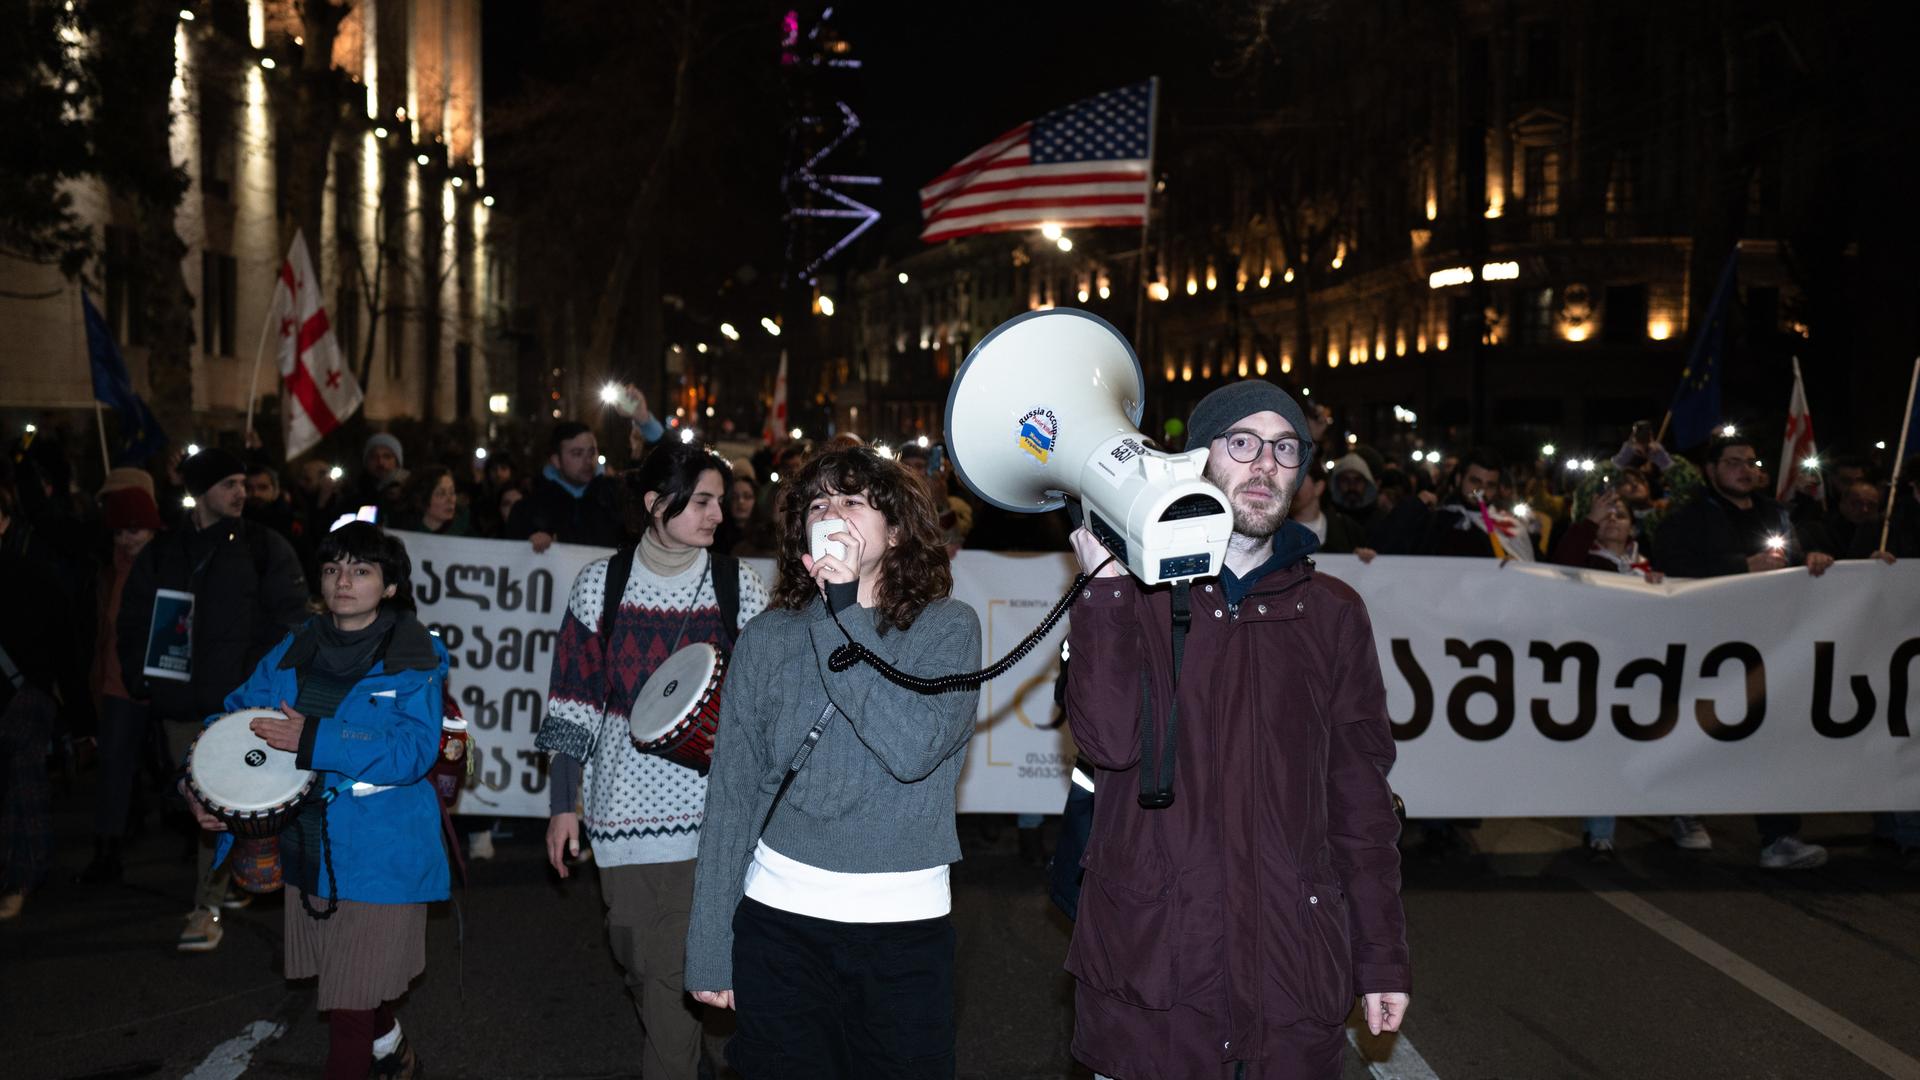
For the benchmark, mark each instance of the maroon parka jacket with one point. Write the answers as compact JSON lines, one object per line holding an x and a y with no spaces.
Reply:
{"x":1268,"y":895}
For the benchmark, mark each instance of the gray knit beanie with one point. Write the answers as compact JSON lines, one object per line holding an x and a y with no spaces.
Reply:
{"x":1220,"y":410}
{"x":388,"y":441}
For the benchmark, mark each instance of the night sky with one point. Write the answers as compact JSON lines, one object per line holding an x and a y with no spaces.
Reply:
{"x":940,"y":80}
{"x":934,"y":90}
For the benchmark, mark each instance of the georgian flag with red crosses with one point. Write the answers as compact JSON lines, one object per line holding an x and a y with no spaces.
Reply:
{"x":320,"y":391}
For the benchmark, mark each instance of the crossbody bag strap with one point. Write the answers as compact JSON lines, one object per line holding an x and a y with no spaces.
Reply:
{"x":1156,"y":770}
{"x":799,"y":758}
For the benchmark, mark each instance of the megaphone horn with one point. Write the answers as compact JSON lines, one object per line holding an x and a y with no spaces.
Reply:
{"x":1047,"y":406}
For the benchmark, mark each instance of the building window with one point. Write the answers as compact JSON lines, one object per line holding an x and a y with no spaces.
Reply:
{"x":463,"y":380}
{"x":218,"y":156}
{"x":1623,"y":177}
{"x":219,"y":275}
{"x":1543,"y":181}
{"x":346,"y":322}
{"x":1533,"y":322}
{"x":1623,"y":316}
{"x":126,"y":289}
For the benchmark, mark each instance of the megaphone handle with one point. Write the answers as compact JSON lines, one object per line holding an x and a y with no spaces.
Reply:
{"x":1075,"y":512}
{"x":853,"y":652}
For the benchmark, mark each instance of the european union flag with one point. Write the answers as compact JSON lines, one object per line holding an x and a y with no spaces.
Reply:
{"x":140,"y":434}
{"x":1696,"y":405}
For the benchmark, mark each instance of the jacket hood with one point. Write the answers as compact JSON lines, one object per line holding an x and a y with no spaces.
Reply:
{"x":1353,"y":463}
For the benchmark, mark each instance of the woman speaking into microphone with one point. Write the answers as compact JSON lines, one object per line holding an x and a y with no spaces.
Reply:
{"x":821,"y":905}
{"x":359,"y":693}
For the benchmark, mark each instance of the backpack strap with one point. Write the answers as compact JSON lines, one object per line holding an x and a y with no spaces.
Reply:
{"x":619,"y":569}
{"x":726,"y":589}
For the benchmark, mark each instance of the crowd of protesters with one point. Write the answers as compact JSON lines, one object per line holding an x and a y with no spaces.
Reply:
{"x":80,"y":570}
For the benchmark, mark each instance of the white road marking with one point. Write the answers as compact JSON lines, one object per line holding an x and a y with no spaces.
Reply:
{"x":1850,"y":1036}
{"x":231,"y":1058}
{"x":1403,"y":1062}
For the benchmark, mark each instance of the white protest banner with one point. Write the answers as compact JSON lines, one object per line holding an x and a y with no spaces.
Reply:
{"x":497,"y":606}
{"x":1528,"y":690}
{"x":1539,"y":690}
{"x":1021,"y":753}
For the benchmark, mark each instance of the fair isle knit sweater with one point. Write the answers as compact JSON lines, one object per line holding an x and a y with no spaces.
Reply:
{"x":639,"y":808}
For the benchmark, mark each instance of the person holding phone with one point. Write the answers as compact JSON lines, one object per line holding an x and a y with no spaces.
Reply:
{"x":1735,"y":527}
{"x":821,"y":910}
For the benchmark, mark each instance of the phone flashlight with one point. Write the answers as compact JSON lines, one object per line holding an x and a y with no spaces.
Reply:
{"x":1776,"y":542}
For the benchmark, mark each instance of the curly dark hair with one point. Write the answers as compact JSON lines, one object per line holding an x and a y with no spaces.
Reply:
{"x":915,"y":572}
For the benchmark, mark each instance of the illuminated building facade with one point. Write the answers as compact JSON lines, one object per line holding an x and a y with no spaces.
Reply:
{"x":409,"y":279}
{"x":1499,"y":218}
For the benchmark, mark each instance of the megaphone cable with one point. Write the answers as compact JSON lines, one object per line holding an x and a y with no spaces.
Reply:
{"x":853,"y":652}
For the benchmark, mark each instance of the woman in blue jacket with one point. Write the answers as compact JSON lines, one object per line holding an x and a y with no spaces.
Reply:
{"x":360,"y":690}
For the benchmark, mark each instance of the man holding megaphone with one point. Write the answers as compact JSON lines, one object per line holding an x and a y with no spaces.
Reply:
{"x":1242,"y":879}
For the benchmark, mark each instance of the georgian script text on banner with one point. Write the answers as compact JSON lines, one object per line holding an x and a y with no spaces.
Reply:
{"x":1517,"y":691}
{"x":1523,"y":691}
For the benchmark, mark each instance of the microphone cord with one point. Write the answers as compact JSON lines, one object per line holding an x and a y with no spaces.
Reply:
{"x":846,"y":656}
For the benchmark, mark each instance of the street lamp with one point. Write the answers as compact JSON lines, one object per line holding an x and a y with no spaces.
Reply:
{"x":727,"y":331}
{"x":769,"y":326}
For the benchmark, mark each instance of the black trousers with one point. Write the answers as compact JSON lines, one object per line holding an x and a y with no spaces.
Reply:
{"x":816,"y":998}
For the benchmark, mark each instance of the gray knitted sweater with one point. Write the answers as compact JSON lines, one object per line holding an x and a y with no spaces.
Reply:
{"x":877,"y":795}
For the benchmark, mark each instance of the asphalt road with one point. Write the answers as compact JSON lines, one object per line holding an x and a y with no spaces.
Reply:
{"x":1528,"y":963}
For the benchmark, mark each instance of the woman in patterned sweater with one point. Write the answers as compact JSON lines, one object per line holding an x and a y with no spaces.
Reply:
{"x":642,"y":813}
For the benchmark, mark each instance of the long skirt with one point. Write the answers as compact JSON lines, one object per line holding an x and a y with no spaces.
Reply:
{"x":365,"y":954}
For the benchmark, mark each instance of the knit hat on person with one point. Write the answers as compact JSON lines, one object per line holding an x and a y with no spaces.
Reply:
{"x":388,"y":441}
{"x":128,"y":477}
{"x":1234,"y":402}
{"x":209,"y":467}
{"x":131,"y":508}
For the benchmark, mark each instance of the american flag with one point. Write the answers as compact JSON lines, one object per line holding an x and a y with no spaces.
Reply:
{"x":1088,"y":163}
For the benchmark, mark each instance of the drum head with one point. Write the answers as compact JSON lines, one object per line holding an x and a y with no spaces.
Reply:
{"x":672,"y":691}
{"x":238,"y":770}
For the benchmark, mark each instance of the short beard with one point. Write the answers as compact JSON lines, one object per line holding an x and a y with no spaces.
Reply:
{"x":1255,"y":526}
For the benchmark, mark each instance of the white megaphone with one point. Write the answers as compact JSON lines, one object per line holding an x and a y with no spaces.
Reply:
{"x":1048,"y":405}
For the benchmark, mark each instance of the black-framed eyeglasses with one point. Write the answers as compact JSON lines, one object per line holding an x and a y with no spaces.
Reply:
{"x":1244,"y":447}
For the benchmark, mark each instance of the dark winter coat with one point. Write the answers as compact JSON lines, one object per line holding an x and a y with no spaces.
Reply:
{"x":1268,"y":894}
{"x":248,"y":592}
{"x":1711,"y":537}
{"x":1344,"y":534}
{"x":592,"y":519}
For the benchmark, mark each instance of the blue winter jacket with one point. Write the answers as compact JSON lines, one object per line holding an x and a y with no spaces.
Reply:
{"x":384,"y":829}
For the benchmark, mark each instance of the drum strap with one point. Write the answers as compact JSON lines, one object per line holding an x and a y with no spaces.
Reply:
{"x":799,"y":758}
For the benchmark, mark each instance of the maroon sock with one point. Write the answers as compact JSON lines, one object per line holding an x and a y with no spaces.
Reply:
{"x":350,"y":1035}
